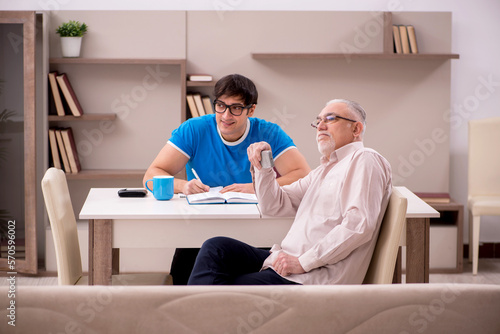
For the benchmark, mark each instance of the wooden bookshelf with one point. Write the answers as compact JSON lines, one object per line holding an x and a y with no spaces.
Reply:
{"x":107,"y":174}
{"x":387,"y":50}
{"x":110,"y":174}
{"x":200,"y":83}
{"x":117,"y":61}
{"x":84,"y":117}
{"x":390,"y":56}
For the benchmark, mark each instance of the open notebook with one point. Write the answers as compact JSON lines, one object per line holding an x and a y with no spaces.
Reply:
{"x":215,"y":197}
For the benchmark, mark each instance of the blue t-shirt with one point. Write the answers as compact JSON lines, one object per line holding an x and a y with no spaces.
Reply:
{"x":218,"y":162}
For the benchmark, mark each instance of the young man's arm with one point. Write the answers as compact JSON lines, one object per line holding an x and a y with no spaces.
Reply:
{"x":170,"y":162}
{"x":291,"y":165}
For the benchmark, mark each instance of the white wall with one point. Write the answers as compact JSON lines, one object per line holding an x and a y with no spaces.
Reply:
{"x":475,"y":87}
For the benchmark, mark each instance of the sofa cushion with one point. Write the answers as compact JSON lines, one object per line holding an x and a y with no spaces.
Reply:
{"x":404,"y":308}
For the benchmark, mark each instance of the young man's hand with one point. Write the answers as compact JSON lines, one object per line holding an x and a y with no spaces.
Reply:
{"x":194,"y":187}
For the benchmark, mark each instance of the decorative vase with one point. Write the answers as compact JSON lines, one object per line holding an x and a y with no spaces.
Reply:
{"x":70,"y":46}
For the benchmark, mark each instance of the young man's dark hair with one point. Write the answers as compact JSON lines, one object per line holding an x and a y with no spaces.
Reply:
{"x":238,"y":86}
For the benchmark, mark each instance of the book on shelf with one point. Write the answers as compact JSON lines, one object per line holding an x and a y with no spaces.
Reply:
{"x":17,"y":254}
{"x":412,"y":39}
{"x":199,"y":104}
{"x":199,"y":77}
{"x":214,"y":196}
{"x":63,"y":148}
{"x":207,"y":103}
{"x":56,"y":94}
{"x":405,"y":43}
{"x":18,"y":243}
{"x":54,"y":149}
{"x":434,"y":197}
{"x":17,"y":248}
{"x":62,"y":151}
{"x":69,"y":95}
{"x":397,"y":39}
{"x":192,"y":105}
{"x":70,"y":146}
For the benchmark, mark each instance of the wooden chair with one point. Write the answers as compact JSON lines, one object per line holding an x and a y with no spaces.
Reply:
{"x":483,"y":179}
{"x":381,"y":269}
{"x":64,"y":231}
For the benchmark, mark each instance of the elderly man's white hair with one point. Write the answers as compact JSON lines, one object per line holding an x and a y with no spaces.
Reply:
{"x":356,"y":110}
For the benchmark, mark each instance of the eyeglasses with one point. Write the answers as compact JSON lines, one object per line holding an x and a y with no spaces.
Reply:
{"x":329,"y":119}
{"x":235,"y":109}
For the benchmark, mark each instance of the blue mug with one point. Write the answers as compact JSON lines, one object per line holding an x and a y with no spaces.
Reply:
{"x":163,"y":187}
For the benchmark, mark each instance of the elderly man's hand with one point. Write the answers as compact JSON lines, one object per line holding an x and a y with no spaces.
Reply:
{"x":253,"y":152}
{"x":286,"y":264}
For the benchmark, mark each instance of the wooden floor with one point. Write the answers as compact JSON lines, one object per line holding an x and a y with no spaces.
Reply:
{"x":488,"y":273}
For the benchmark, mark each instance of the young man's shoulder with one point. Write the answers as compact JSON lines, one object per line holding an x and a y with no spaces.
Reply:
{"x":199,"y":124}
{"x":201,"y":120}
{"x":261,"y":122}
{"x":265,"y":128}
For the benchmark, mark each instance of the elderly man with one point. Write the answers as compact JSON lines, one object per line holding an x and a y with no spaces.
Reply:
{"x":338,"y":209}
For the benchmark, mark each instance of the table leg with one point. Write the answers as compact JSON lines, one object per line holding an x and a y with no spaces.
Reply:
{"x":417,"y":250}
{"x":115,"y":269}
{"x":396,"y":279}
{"x":91,"y":252}
{"x":100,"y":252}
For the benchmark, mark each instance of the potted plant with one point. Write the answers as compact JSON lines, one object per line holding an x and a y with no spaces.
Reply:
{"x":71,"y":33}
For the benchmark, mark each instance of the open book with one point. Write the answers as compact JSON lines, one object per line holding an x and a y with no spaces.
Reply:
{"x":215,"y":197}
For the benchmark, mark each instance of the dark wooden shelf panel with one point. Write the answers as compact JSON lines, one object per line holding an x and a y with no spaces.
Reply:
{"x":429,"y":56}
{"x":84,"y":117}
{"x":107,"y":174}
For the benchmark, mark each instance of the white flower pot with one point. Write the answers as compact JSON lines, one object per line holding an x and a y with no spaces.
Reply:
{"x":70,"y":46}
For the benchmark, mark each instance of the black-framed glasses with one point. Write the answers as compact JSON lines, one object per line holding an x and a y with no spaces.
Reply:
{"x":329,"y":119}
{"x":235,"y":109}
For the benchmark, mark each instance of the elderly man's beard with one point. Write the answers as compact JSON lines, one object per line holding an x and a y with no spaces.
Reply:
{"x":325,"y":147}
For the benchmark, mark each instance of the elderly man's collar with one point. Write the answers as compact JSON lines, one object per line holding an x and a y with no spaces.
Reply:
{"x":342,"y":152}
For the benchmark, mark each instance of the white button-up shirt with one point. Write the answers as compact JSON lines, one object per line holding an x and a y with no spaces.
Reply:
{"x":338,"y":209}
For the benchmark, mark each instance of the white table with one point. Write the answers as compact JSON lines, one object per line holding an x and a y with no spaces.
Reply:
{"x":116,"y":222}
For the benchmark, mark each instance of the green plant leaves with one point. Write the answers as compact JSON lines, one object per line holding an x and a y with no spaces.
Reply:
{"x":72,"y":29}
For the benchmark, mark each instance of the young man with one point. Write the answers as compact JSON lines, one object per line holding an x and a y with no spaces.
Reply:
{"x":338,"y":209}
{"x":215,"y":146}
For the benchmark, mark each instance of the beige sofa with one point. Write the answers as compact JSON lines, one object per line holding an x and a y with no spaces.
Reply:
{"x":406,"y":308}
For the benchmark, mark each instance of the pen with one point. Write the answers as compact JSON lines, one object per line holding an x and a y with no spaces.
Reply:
{"x":196,"y":175}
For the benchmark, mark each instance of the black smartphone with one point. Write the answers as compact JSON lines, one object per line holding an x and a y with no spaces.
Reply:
{"x":136,"y":192}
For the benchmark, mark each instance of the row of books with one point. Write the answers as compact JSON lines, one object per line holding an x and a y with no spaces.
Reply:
{"x":405,"y":39}
{"x":63,"y":96}
{"x":63,"y":151}
{"x":20,"y":249}
{"x":199,"y":105}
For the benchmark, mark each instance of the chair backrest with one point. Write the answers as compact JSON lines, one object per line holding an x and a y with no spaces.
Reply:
{"x":63,"y":224}
{"x":383,"y":262}
{"x":484,"y":160}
